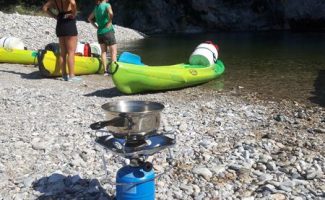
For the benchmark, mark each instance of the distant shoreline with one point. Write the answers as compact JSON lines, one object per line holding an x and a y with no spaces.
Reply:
{"x":37,"y":31}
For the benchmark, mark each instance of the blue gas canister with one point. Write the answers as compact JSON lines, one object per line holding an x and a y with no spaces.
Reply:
{"x":135,"y":183}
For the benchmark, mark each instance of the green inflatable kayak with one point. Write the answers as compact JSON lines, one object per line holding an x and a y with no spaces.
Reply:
{"x":136,"y":78}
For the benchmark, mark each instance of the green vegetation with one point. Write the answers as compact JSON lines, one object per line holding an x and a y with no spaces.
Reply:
{"x":33,"y":7}
{"x":32,"y":10}
{"x":20,"y":5}
{"x":28,"y":7}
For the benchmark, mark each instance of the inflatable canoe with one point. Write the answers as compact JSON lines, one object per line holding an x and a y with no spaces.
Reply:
{"x":136,"y":78}
{"x":48,"y":64}
{"x":16,"y":56}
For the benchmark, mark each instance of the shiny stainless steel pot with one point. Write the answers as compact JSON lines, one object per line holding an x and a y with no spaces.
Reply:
{"x":130,"y":118}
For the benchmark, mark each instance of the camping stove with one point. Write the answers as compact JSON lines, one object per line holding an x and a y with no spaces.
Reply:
{"x":133,"y":134}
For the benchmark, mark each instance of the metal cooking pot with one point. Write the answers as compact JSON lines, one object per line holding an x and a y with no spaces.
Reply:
{"x":130,"y":118}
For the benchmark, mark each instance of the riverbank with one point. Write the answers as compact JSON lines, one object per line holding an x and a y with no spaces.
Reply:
{"x":229,"y":144}
{"x":37,"y":31}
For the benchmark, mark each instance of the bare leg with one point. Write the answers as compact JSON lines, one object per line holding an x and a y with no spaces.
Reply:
{"x":103,"y":55}
{"x":113,"y":51}
{"x":63,"y":56}
{"x":71,"y":45}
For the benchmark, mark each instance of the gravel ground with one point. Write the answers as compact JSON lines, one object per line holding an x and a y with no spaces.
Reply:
{"x":229,"y":145}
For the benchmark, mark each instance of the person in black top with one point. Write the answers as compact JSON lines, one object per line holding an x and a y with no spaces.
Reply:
{"x":66,"y":31}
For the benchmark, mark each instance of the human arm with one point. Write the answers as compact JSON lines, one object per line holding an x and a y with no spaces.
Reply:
{"x":110,"y":13}
{"x":47,"y":10}
{"x":73,"y":5}
{"x":91,"y":20}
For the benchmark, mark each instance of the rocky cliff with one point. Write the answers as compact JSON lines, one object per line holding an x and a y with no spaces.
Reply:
{"x":154,"y":16}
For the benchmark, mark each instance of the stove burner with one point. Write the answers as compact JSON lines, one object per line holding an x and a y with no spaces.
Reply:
{"x":135,"y":143}
{"x":136,"y":148}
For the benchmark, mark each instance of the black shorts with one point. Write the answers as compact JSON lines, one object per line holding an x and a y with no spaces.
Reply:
{"x":66,"y":27}
{"x":107,"y":38}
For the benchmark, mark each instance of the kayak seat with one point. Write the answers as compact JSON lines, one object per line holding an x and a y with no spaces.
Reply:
{"x":131,"y":58}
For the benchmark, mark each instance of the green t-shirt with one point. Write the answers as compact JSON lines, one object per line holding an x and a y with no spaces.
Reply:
{"x":102,"y":18}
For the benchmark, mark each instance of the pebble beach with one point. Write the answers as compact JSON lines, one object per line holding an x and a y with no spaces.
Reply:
{"x":229,"y":145}
{"x":38,"y":31}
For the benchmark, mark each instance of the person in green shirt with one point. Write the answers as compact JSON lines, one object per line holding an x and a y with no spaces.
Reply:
{"x":101,"y":18}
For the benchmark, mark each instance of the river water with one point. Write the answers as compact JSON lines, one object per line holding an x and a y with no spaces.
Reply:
{"x":274,"y":65}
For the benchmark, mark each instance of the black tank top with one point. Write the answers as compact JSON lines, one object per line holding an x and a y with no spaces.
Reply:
{"x":62,"y":13}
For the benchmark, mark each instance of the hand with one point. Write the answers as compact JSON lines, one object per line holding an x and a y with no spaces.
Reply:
{"x":108,"y":25}
{"x":68,"y":16}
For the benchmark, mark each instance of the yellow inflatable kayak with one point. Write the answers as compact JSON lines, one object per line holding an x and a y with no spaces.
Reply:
{"x":17,"y":56}
{"x":48,"y":64}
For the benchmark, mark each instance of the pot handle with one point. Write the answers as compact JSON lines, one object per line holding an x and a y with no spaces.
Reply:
{"x":99,"y":125}
{"x":116,"y":122}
